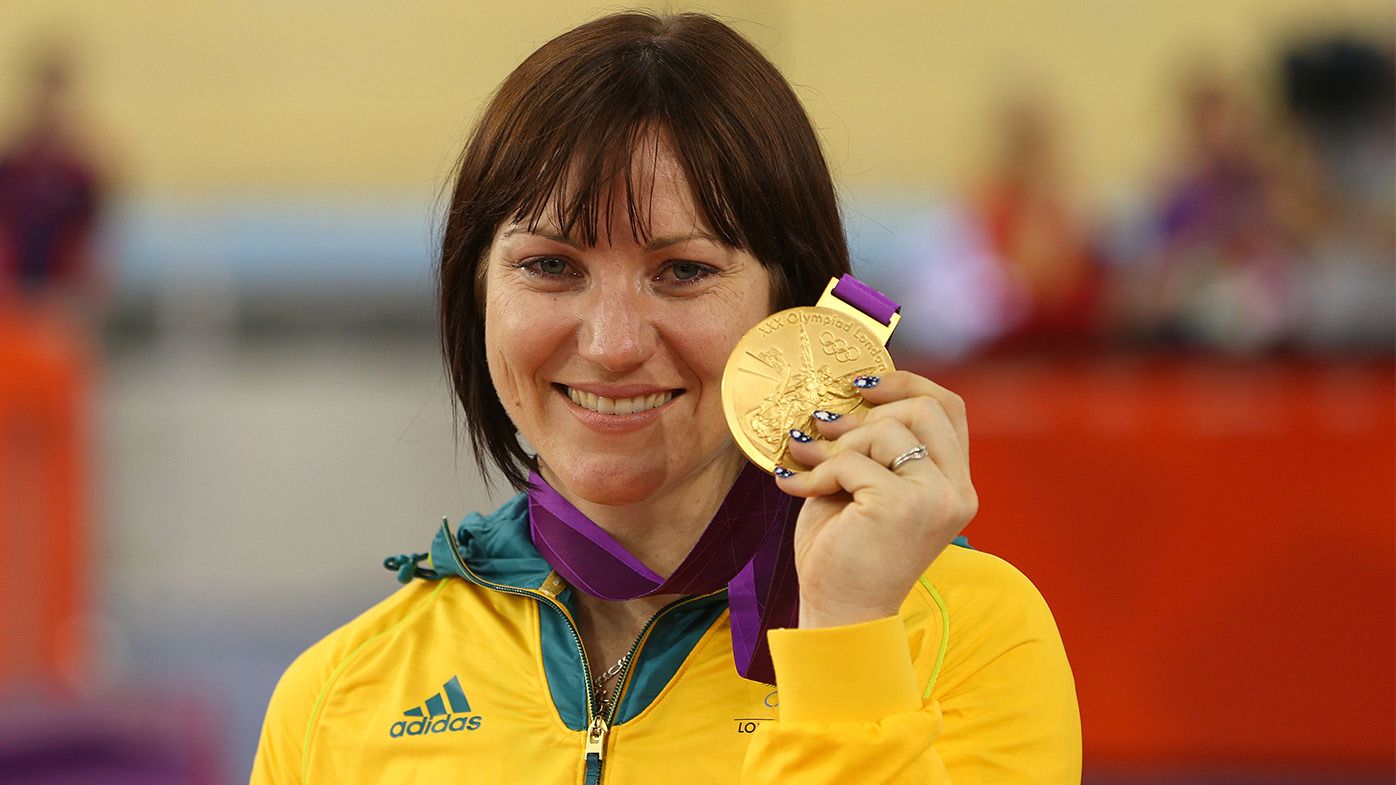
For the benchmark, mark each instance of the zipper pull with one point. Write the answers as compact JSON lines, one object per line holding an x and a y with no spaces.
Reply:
{"x":553,"y":585}
{"x":596,"y":737}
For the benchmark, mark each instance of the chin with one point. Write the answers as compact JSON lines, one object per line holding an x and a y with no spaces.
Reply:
{"x":609,"y":480}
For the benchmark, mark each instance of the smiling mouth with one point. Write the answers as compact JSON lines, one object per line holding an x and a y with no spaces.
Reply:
{"x":618,"y":406}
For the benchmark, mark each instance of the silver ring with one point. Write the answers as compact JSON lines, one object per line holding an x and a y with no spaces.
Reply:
{"x":914,"y":454}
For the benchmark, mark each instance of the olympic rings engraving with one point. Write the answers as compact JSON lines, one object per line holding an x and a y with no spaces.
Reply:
{"x":837,"y":348}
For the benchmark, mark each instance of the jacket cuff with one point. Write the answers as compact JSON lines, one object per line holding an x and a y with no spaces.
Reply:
{"x":857,"y":673}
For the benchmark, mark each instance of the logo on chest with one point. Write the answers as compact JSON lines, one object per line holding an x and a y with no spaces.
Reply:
{"x":750,"y":724}
{"x":434,"y":716}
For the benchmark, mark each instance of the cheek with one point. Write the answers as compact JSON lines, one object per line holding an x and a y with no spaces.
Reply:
{"x":707,"y":340}
{"x":756,"y":304}
{"x":498,"y":362}
{"x":515,"y":347}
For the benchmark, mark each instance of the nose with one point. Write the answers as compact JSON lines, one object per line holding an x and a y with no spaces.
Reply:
{"x":618,"y":331}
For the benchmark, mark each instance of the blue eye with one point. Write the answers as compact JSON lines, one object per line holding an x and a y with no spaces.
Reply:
{"x":684,"y":273}
{"x":551,"y":265}
{"x":554,"y":273}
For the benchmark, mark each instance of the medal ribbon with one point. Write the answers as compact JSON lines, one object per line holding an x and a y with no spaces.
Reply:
{"x":866,"y":299}
{"x":747,"y":547}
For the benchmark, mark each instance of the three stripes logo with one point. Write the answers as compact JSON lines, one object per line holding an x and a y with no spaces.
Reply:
{"x":437,"y":718}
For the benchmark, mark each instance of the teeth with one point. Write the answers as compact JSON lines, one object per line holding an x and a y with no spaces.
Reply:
{"x":604,"y":405}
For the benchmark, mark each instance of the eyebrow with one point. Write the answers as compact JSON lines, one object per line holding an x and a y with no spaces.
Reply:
{"x":653,"y":245}
{"x":664,"y":242}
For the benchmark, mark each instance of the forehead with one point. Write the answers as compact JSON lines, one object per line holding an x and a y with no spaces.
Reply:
{"x":640,"y":187}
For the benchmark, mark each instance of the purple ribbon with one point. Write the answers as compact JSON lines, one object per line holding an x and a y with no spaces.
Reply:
{"x":748,"y":547}
{"x":865,"y":298}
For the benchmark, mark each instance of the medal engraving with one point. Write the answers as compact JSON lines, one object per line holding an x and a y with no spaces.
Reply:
{"x":789,"y":365}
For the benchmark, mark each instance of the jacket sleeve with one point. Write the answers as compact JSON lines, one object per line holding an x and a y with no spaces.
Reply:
{"x":279,"y":750}
{"x":853,"y":709}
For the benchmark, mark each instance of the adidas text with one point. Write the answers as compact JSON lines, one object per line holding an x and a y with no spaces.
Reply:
{"x":447,"y":724}
{"x":435,"y":717}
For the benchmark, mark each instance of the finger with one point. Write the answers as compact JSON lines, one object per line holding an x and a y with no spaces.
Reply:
{"x":899,"y":385}
{"x":931,"y":425}
{"x":832,"y":425}
{"x":847,"y":472}
{"x":890,"y":430}
{"x":882,"y":439}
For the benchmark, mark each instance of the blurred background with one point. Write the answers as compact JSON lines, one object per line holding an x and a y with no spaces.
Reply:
{"x":1152,"y":243}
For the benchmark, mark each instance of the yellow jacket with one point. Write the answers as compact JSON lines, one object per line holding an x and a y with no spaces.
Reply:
{"x":479,"y":677}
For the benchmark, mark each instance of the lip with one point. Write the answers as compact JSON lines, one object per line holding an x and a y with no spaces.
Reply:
{"x":620,"y":390}
{"x":616,"y":423}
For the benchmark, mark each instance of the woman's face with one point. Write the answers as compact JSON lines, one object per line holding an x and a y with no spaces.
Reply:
{"x":609,"y":358}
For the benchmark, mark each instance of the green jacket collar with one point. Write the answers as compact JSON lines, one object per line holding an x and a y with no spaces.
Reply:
{"x":495,"y":549}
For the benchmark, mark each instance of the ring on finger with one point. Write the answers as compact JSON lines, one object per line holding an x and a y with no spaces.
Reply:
{"x":914,"y":454}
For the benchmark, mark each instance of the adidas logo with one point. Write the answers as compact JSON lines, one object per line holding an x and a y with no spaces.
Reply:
{"x":436,"y":718}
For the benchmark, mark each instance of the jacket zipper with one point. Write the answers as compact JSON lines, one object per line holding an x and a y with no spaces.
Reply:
{"x":595,"y":749}
{"x":600,"y":726}
{"x":597,"y":726}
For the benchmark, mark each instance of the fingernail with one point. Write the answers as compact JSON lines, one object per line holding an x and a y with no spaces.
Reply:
{"x":782,"y":472}
{"x":800,"y":436}
{"x":823,"y":416}
{"x":866,"y":382}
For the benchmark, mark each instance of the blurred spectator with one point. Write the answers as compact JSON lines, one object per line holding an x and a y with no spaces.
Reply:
{"x":1279,"y":230}
{"x":57,"y":724}
{"x":1334,"y":192}
{"x":1219,"y":276}
{"x":48,"y":209}
{"x":49,"y":193}
{"x":1034,"y":234}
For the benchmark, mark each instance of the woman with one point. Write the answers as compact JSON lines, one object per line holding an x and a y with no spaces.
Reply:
{"x":638,"y":194}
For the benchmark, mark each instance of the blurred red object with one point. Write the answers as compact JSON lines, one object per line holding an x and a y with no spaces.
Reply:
{"x":1053,"y":278}
{"x":43,"y":498}
{"x":1217,"y":542}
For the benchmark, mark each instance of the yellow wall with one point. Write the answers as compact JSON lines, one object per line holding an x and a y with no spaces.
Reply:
{"x":252,"y":95}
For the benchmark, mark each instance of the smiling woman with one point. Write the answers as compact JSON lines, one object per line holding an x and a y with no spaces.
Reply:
{"x":640,"y":193}
{"x":628,"y":122}
{"x":576,"y":333}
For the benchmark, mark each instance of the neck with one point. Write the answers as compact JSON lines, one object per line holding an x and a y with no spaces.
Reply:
{"x":662,"y":528}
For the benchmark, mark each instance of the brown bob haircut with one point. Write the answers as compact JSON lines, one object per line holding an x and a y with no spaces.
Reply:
{"x":564,"y":128}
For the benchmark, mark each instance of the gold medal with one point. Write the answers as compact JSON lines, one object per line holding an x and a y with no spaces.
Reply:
{"x":794,"y":362}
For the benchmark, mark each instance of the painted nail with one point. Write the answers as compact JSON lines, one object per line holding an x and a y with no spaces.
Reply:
{"x":866,"y":382}
{"x":800,"y":436}
{"x":823,"y":416}
{"x":782,"y":472}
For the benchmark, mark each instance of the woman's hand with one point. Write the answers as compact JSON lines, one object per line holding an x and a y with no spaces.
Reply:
{"x":867,"y":533}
